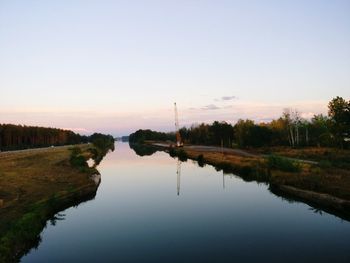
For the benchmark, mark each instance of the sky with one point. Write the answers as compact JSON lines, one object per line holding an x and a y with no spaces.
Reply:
{"x":117,"y":66}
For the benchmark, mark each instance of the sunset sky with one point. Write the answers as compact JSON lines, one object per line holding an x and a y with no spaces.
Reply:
{"x":116,"y":66}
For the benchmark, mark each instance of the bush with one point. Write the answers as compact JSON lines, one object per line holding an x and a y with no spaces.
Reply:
{"x":200,"y":160}
{"x":75,"y":150}
{"x":283,"y":164}
{"x":94,"y":152}
{"x":76,"y":159}
{"x":324,"y":164}
{"x":172,"y":152}
{"x":246,"y":170}
{"x":182,"y":155}
{"x":225,"y":166}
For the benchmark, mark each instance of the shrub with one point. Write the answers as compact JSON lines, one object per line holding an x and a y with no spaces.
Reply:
{"x":200,"y":160}
{"x":77,"y":161}
{"x":246,"y":170}
{"x":94,"y":152}
{"x":172,"y":152}
{"x":325,"y":164}
{"x":225,"y":166}
{"x":182,"y":155}
{"x":75,"y":150}
{"x":283,"y":164}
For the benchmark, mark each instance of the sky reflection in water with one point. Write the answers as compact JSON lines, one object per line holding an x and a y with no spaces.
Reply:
{"x":137,"y":216}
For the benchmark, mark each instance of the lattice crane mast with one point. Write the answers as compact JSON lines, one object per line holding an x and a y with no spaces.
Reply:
{"x":177,"y":128}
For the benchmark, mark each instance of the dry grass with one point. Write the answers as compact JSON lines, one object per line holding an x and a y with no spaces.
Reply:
{"x":217,"y":157}
{"x":335,"y":182}
{"x":332,"y":180}
{"x":34,"y":185}
{"x":331,"y":175}
{"x":338,"y":157}
{"x":29,"y":177}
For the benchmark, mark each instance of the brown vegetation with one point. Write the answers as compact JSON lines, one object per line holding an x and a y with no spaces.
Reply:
{"x":321,"y":182}
{"x":33,"y":184}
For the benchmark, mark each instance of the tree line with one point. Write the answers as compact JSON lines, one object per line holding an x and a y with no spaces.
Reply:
{"x":332,"y":130}
{"x":140,"y":136}
{"x":15,"y":137}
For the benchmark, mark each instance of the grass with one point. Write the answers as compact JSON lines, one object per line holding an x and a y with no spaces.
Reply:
{"x":336,"y":158}
{"x":283,"y":164}
{"x":325,"y":182}
{"x":278,"y":169}
{"x":249,"y":168}
{"x":33,"y":185}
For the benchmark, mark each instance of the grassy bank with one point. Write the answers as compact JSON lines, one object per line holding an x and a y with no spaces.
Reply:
{"x":324,"y":183}
{"x":34,"y":186}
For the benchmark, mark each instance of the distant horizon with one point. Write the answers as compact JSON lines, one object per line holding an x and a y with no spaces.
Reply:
{"x":201,"y":118}
{"x":115,"y":66}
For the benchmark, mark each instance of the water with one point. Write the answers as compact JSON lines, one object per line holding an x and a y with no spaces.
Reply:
{"x":138,"y":216}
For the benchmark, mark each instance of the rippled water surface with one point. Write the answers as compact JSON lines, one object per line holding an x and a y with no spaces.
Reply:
{"x":154,"y":209}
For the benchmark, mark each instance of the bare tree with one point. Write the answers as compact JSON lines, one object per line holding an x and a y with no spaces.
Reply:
{"x":289,"y":126}
{"x":293,"y":121}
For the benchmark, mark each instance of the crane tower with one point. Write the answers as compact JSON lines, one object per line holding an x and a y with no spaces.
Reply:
{"x":177,"y":132}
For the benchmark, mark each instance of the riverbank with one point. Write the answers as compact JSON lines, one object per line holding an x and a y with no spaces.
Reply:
{"x":323,"y":185}
{"x":34,"y":186}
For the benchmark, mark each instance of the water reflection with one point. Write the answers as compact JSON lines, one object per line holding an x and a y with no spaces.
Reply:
{"x":223,"y":180}
{"x":316,"y":208}
{"x":143,"y":150}
{"x":138,"y":217}
{"x":248,"y":174}
{"x":57,"y":217}
{"x":178,"y":176}
{"x":32,"y":244}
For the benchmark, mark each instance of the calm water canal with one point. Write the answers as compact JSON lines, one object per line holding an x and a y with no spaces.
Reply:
{"x":145,"y":212}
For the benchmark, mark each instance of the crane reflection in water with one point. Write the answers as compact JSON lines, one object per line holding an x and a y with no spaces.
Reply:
{"x":178,"y":176}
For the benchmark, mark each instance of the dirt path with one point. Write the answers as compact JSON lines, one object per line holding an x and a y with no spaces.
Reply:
{"x":32,"y":150}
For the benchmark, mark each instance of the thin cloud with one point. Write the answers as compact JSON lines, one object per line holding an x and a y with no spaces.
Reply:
{"x":226,"y":98}
{"x":210,"y":107}
{"x":227,"y":107}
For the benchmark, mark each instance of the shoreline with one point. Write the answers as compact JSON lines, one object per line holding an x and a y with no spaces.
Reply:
{"x":251,"y":167}
{"x":36,"y":185}
{"x":46,"y":212}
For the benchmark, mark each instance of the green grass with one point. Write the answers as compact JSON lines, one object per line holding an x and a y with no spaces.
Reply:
{"x":283,"y":164}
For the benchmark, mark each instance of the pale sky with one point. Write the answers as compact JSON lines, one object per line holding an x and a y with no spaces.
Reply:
{"x":116,"y":66}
